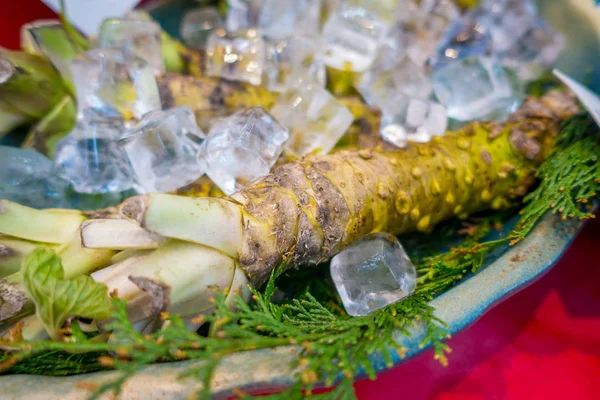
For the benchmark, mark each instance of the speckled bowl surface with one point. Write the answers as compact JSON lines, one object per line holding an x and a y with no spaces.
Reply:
{"x":460,"y":306}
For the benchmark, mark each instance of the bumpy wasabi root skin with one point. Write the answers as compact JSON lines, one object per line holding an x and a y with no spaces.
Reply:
{"x":307,"y":211}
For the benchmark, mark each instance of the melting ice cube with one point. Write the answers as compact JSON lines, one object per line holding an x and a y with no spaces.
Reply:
{"x":316,"y":119}
{"x":406,"y":77}
{"x":242,"y":148}
{"x":351,"y":37}
{"x":198,"y":24}
{"x":114,"y":83}
{"x":464,"y":38}
{"x":163,"y":150}
{"x":477,"y":88}
{"x":373,"y":273}
{"x":92,"y":160}
{"x":237,"y":56}
{"x":536,"y":51}
{"x":292,"y":60}
{"x":138,"y":36}
{"x":409,"y":119}
{"x":28,"y":178}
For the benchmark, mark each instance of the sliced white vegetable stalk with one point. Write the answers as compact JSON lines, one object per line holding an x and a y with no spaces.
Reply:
{"x":117,"y":234}
{"x":178,"y":277}
{"x":215,"y":223}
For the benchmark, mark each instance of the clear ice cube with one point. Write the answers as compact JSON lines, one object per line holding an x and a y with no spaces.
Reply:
{"x":28,"y":178}
{"x":280,"y":19}
{"x":241,"y":15}
{"x":384,"y":10}
{"x":373,"y":273}
{"x":536,"y":51}
{"x":506,"y":20}
{"x":351,"y":38}
{"x":464,"y":38}
{"x":408,"y":119}
{"x":292,"y":60}
{"x":163,"y":150}
{"x":315,"y":118}
{"x":391,"y":51}
{"x":198,"y":24}
{"x":477,"y":88}
{"x":111,"y":82}
{"x":420,"y":36}
{"x":406,"y":77}
{"x":140,"y":37}
{"x":442,"y":8}
{"x":91,"y":158}
{"x":237,"y":56}
{"x":241,"y":149}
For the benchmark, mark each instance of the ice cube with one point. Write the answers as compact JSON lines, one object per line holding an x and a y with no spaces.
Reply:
{"x":28,"y":178}
{"x":464,"y":38}
{"x":384,"y":10}
{"x":280,"y":19}
{"x":198,"y":24}
{"x":406,"y":77}
{"x":420,"y":36}
{"x":241,"y":15}
{"x":292,"y":60}
{"x":536,"y":51}
{"x":391,"y":51}
{"x":111,"y":82}
{"x":408,"y":10}
{"x":140,"y":37}
{"x":477,"y":88}
{"x":316,"y":119}
{"x":373,"y":273}
{"x":242,"y":148}
{"x":236,"y":56}
{"x":92,"y":160}
{"x":163,"y":150}
{"x":351,"y":38}
{"x":446,"y":9}
{"x":408,"y":119}
{"x":506,"y":20}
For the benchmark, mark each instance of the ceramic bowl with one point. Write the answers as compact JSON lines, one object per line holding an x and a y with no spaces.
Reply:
{"x":579,"y":20}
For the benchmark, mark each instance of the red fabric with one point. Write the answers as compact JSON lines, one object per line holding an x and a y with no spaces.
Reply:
{"x":542,"y":343}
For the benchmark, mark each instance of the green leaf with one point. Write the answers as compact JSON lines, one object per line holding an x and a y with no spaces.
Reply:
{"x":57,"y":298}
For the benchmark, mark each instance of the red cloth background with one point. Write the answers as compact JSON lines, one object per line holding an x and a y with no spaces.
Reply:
{"x":542,"y":343}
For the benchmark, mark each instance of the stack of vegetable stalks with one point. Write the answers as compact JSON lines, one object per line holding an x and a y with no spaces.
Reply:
{"x":169,"y":252}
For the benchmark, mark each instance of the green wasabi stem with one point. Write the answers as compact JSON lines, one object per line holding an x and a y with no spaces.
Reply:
{"x":10,"y":118}
{"x":12,"y":252}
{"x":76,"y":37}
{"x":47,"y":133}
{"x":46,"y":226}
{"x":50,"y":39}
{"x":29,"y":83}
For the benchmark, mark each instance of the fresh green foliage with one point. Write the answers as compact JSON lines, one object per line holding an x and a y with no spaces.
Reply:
{"x":569,"y":179}
{"x":56,"y":298}
{"x":332,"y":346}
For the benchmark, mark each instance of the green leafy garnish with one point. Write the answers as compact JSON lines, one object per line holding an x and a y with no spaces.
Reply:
{"x":57,"y":298}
